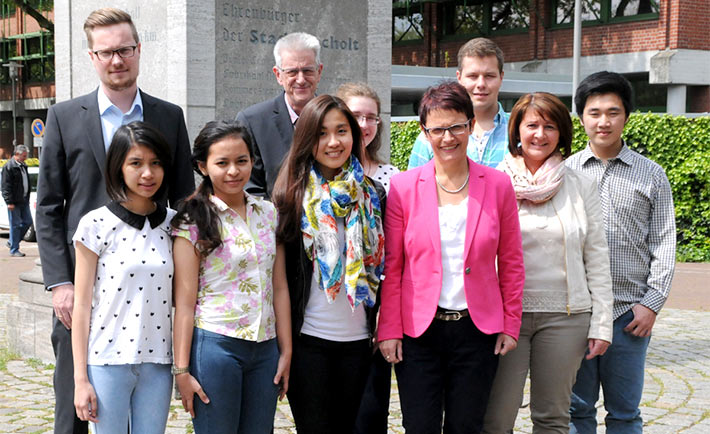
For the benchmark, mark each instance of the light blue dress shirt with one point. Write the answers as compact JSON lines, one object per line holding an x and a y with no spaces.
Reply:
{"x":112,"y":117}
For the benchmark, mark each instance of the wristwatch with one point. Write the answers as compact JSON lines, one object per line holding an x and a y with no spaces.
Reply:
{"x":177,"y":371}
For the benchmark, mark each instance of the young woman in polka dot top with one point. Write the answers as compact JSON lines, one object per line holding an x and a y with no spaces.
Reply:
{"x":123,"y":291}
{"x":232,"y":309}
{"x":362,"y":100}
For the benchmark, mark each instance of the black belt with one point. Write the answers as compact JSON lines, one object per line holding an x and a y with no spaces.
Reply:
{"x":450,"y":315}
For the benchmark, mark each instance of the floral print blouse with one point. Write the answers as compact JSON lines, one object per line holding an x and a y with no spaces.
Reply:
{"x":235,"y":291}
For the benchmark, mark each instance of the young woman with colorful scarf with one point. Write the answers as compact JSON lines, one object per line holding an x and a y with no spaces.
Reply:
{"x":330,"y":222}
{"x":567,"y":298}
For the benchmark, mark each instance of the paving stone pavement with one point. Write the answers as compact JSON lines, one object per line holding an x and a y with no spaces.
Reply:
{"x":676,"y":397}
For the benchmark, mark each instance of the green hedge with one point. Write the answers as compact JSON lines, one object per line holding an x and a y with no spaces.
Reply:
{"x":680,"y":145}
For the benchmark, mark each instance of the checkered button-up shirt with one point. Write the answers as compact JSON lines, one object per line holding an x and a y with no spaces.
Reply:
{"x":640,"y":226}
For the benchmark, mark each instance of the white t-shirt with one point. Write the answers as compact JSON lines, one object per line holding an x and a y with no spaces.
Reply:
{"x":132,"y":299}
{"x":335,"y":321}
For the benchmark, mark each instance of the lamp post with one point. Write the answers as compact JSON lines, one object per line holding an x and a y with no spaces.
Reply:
{"x":14,"y":68}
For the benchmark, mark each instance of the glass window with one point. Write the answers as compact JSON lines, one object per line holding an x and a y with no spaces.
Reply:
{"x":467,"y":20}
{"x":408,"y":27}
{"x":564,"y":12}
{"x":511,"y":14}
{"x":627,"y":8}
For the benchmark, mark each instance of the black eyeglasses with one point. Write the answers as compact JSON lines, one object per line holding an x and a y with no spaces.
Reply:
{"x":123,"y":53}
{"x":456,"y":129}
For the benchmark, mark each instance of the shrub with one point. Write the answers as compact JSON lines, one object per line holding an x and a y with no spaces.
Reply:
{"x":680,"y":145}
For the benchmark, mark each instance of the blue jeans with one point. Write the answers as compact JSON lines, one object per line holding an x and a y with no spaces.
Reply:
{"x":20,"y":220}
{"x":137,"y":393}
{"x":238,"y":377}
{"x":620,"y":373}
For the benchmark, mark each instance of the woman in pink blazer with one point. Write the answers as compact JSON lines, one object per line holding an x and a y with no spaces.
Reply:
{"x":451,"y":300}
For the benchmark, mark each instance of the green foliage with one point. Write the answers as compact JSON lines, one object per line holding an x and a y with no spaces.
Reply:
{"x":680,"y":145}
{"x":403,"y":135}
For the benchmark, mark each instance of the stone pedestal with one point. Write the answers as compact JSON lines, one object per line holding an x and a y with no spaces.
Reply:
{"x":29,"y":318}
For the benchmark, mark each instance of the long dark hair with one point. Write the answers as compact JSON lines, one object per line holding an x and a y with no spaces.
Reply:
{"x":293,"y":176}
{"x":198,"y":209}
{"x":126,"y":137}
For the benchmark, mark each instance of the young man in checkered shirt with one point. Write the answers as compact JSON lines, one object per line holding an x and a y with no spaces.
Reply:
{"x":640,"y":225}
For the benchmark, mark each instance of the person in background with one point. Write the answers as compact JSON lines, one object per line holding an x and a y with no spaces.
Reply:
{"x":297,"y":69}
{"x":330,"y":221}
{"x":480,"y":71}
{"x":452,"y":296}
{"x":567,"y":297}
{"x":16,"y":193}
{"x":639,"y":219}
{"x":362,"y":100}
{"x":232,"y":315}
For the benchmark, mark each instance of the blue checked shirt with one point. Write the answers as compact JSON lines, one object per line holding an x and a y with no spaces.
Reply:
{"x":640,"y":226}
{"x":493,"y":153}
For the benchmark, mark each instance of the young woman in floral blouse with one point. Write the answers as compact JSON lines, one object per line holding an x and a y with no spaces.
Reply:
{"x":232,"y":330}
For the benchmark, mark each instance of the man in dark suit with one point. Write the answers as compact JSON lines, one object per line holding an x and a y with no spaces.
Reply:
{"x":71,"y":180}
{"x":270,"y":123}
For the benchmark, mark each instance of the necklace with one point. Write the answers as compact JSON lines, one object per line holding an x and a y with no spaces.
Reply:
{"x":465,"y":183}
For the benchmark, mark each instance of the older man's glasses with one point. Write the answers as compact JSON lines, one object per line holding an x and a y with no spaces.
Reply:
{"x":455,"y":129}
{"x":123,"y":53}
{"x":309,"y":71}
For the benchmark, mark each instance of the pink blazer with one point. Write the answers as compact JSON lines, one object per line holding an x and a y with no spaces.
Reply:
{"x":413,"y":270}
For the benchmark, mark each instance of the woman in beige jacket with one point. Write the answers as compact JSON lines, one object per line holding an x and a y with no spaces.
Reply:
{"x":567,"y":298}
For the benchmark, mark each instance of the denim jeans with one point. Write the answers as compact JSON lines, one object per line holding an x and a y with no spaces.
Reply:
{"x":238,"y":377}
{"x":620,"y":373}
{"x":20,"y":220}
{"x":136,"y":394}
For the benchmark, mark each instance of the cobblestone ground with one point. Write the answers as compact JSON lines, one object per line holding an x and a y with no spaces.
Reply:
{"x":676,"y":396}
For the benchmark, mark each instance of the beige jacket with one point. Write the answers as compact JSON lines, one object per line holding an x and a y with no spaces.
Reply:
{"x":586,"y":253}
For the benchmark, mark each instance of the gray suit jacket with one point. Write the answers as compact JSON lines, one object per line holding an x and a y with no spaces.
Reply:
{"x":269,"y":124}
{"x":71,"y":174}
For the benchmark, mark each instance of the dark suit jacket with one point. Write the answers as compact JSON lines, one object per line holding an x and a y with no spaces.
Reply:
{"x":71,"y":179}
{"x":270,"y":126}
{"x":13,"y":187}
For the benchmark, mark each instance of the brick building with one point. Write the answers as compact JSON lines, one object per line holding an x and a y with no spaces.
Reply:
{"x":662,"y":46}
{"x":25,"y":42}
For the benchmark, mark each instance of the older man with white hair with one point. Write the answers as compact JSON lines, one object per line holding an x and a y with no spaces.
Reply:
{"x":298,"y":70}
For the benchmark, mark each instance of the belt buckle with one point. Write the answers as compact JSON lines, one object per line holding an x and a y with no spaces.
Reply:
{"x":452,"y":315}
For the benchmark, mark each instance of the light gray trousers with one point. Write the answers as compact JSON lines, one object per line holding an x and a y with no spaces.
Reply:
{"x":551,"y":346}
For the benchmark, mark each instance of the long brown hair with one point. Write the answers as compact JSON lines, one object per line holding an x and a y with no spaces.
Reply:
{"x":293,"y":176}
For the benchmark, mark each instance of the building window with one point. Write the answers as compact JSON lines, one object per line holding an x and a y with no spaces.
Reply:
{"x":407,"y":21}
{"x":466,"y":18}
{"x":38,"y":59}
{"x":605,"y":11}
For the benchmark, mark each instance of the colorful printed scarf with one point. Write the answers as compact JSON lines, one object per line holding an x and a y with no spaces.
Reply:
{"x":541,"y":186}
{"x":352,"y":196}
